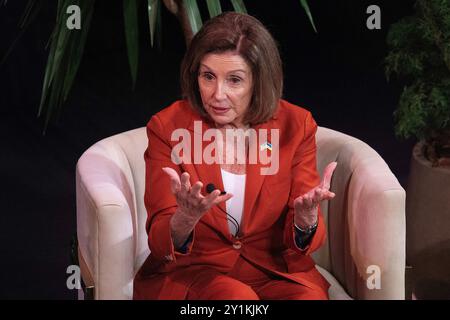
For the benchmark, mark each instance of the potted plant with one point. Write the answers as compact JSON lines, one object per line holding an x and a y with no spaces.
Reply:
{"x":419,"y":54}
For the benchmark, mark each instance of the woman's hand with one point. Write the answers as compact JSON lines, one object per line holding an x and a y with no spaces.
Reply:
{"x":191,"y":203}
{"x":306,"y":206}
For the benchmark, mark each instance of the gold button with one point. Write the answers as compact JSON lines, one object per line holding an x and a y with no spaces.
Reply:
{"x":237,"y":245}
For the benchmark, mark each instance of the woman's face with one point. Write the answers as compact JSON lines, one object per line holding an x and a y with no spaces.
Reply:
{"x":226,"y":87}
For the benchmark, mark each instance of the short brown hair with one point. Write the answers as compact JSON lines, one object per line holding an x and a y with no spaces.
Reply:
{"x":245,"y":35}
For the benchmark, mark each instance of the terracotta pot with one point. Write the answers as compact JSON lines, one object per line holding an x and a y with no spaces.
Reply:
{"x":428,"y":227}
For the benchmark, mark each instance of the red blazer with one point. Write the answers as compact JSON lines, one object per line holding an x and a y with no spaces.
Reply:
{"x":268,"y":235}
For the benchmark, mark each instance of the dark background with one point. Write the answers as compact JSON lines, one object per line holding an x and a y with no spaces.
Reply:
{"x":337,"y":74}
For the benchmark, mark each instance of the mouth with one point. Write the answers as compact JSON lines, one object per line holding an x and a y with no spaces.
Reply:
{"x":220,"y":110}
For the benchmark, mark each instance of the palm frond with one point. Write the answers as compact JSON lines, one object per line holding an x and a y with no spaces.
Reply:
{"x":66,"y":51}
{"x":214,"y":7}
{"x":305,"y":6}
{"x":32,"y":9}
{"x":132,"y":36}
{"x":193,"y":13}
{"x":153,"y":9}
{"x":239,"y":6}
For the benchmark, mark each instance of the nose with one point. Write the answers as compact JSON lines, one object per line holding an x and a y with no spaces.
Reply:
{"x":219,"y":91}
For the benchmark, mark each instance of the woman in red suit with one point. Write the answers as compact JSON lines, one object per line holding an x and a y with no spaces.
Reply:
{"x":232,"y":191}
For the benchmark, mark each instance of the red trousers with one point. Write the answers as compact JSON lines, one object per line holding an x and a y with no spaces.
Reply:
{"x":246,"y":282}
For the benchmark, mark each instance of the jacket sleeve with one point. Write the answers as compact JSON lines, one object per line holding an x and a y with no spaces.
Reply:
{"x":158,"y":198}
{"x":304,"y":178}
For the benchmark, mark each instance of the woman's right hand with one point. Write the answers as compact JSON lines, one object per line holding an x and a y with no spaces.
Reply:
{"x":191,"y":203}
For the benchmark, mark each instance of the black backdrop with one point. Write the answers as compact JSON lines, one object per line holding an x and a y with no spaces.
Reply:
{"x":337,"y":74}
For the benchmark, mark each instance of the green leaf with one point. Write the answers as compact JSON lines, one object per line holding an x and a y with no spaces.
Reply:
{"x":66,"y":51}
{"x":24,"y":19}
{"x":239,"y":6}
{"x":131,"y":35}
{"x":78,"y":45}
{"x":153,"y":8}
{"x":55,"y":95}
{"x":31,"y":11}
{"x":58,"y":46}
{"x":158,"y":30}
{"x":45,"y":85}
{"x":214,"y":8}
{"x":308,"y":13}
{"x":193,"y":13}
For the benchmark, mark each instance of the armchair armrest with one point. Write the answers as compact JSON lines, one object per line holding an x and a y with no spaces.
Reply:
{"x":105,"y":224}
{"x":376,"y":228}
{"x":366,"y":220}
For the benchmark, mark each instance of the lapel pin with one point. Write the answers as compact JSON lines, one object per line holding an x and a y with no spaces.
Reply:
{"x":265,"y":145}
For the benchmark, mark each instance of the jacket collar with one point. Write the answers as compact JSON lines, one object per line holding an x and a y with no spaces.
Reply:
{"x":211,"y":173}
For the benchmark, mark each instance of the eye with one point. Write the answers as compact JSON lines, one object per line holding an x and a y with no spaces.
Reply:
{"x":207,"y":76}
{"x":235,"y":80}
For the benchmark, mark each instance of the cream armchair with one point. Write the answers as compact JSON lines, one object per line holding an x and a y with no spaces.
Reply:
{"x":363,"y":258}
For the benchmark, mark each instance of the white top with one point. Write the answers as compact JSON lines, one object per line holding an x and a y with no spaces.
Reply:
{"x":234,"y":184}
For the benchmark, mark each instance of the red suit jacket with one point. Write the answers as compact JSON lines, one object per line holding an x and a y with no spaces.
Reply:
{"x":268,"y":235}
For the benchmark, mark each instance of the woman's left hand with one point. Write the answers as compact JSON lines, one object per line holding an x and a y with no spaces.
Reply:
{"x":306,"y":206}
